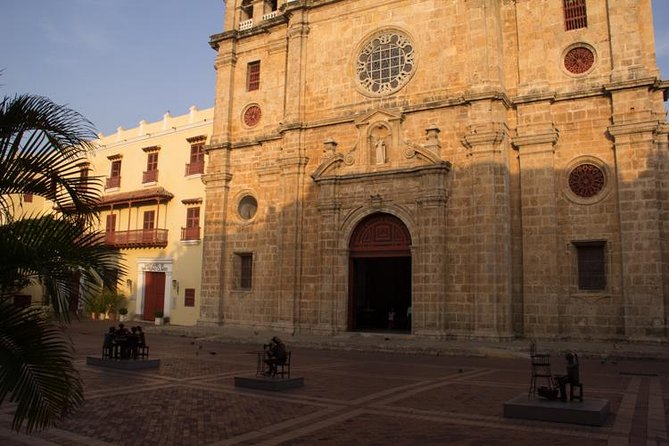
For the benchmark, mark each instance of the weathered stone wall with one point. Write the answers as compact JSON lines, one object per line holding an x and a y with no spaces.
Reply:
{"x":473,"y":154}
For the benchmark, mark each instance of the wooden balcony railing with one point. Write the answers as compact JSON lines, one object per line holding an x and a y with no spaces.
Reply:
{"x":194,"y":168}
{"x":190,"y":233}
{"x":113,"y":182}
{"x":150,"y":176}
{"x":140,"y":238}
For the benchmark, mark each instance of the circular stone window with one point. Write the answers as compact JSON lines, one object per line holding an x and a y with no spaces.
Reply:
{"x":247,"y":208}
{"x":586,"y":180}
{"x":385,"y":63}
{"x":579,"y":60}
{"x":252,"y":115}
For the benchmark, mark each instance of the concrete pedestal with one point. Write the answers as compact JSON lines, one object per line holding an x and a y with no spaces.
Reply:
{"x":268,"y":383}
{"x":591,"y":411}
{"x":123,"y":364}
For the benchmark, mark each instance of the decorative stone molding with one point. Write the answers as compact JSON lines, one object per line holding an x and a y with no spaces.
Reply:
{"x":524,"y":141}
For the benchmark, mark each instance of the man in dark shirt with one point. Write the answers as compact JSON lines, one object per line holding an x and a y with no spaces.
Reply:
{"x":275,"y":353}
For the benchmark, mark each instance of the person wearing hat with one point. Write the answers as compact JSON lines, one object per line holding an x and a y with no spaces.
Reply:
{"x":276,"y":353}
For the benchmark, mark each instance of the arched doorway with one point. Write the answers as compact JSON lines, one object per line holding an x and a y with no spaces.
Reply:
{"x":380,"y":275}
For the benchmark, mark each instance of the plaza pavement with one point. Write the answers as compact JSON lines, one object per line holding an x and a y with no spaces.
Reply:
{"x":373,"y":389}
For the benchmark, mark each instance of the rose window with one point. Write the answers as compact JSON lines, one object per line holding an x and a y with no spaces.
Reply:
{"x":252,"y":115}
{"x":586,"y":180}
{"x":385,"y":63}
{"x":579,"y":60}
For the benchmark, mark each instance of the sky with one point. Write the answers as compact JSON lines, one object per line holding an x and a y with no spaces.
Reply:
{"x":118,"y":62}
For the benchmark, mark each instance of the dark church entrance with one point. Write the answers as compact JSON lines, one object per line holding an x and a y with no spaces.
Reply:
{"x":380,"y":275}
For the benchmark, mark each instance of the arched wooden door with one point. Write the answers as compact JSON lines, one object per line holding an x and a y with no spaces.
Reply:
{"x":380,"y":275}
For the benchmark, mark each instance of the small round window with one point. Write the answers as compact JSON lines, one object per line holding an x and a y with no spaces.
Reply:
{"x":586,"y":180}
{"x":579,"y":60}
{"x":248,"y":206}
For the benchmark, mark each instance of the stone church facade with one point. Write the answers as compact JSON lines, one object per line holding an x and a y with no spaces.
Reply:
{"x":449,"y":168}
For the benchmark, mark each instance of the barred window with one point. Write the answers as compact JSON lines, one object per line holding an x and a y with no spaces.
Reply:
{"x":244,"y":270}
{"x":189,"y":297}
{"x":591,"y":265}
{"x":575,"y":14}
{"x":253,"y":76}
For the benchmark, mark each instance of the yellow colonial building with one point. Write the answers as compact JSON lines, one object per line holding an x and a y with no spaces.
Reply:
{"x":152,"y":210}
{"x":450,"y":168}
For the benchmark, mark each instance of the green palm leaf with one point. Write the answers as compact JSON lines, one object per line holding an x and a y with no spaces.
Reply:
{"x":42,"y":148}
{"x":53,"y":252}
{"x":36,"y":370}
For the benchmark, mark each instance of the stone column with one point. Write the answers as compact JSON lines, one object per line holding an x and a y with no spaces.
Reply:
{"x":538,"y":183}
{"x":214,"y":250}
{"x":491,"y":208}
{"x":298,"y":31}
{"x":638,"y":176}
{"x":290,"y":237}
{"x":428,"y":256}
{"x":328,"y":242}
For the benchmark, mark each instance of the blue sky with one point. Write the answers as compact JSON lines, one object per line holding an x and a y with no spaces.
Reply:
{"x":120,"y":61}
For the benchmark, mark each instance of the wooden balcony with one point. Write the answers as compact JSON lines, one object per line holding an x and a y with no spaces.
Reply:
{"x":113,"y":182}
{"x":150,"y":176}
{"x":195,"y":168}
{"x":190,"y":233}
{"x":140,"y":238}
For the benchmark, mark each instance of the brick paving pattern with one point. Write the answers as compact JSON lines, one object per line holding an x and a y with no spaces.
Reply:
{"x":349,"y":398}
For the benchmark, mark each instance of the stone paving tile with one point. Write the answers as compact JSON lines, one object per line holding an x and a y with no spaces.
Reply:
{"x":95,"y":380}
{"x":395,"y":369}
{"x":389,"y":399}
{"x":378,"y":430}
{"x":461,"y":398}
{"x":178,"y":416}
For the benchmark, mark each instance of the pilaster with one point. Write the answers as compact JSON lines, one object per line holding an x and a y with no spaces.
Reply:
{"x":491,"y":207}
{"x":639,"y":173}
{"x":541,"y":292}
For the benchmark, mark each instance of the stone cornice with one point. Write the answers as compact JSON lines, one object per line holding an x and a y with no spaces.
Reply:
{"x":217,"y":146}
{"x":444,"y":166}
{"x":634,"y":83}
{"x":616,"y":130}
{"x":212,"y":179}
{"x":550,"y":137}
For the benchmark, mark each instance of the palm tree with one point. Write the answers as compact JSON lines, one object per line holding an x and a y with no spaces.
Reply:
{"x":43,"y":146}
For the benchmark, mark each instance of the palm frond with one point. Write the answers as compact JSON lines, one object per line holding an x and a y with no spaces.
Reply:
{"x":61,"y":255}
{"x":36,"y":369}
{"x":42,"y":148}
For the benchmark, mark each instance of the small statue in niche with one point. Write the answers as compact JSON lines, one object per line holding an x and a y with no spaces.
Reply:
{"x":378,"y":142}
{"x":380,"y":151}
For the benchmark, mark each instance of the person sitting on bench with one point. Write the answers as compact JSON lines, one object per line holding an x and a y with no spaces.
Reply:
{"x":275,"y":354}
{"x":572,"y":377}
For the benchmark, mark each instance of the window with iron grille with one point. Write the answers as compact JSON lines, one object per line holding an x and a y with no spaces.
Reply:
{"x":591,"y":265}
{"x":575,"y":14}
{"x":189,"y":297}
{"x":244,"y":270}
{"x":253,"y":76}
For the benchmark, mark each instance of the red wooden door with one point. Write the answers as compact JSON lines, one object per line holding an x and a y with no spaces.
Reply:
{"x":154,"y":294}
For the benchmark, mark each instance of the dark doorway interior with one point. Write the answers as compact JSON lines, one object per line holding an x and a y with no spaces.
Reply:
{"x":381,"y":285}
